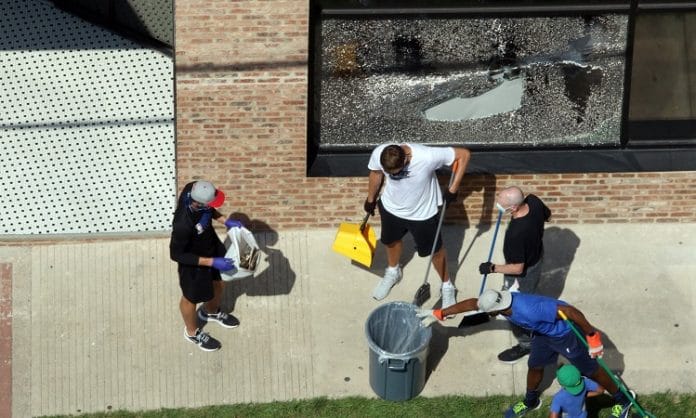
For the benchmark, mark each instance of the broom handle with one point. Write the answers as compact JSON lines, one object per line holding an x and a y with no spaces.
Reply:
{"x":490,"y":253}
{"x":618,"y":383}
{"x":439,"y":223}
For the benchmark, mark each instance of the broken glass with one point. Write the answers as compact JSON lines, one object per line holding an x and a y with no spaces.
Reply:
{"x":498,"y":82}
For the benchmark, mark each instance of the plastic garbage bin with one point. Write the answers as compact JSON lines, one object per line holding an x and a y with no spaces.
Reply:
{"x":398,"y":351}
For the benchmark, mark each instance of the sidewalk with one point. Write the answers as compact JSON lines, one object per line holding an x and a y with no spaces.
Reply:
{"x":96,"y":326}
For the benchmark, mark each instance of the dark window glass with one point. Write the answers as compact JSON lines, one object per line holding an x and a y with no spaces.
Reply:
{"x":663,"y":78}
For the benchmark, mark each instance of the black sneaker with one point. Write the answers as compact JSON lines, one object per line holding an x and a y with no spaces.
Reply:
{"x":204,"y":341}
{"x":513,"y":355}
{"x":222,"y":318}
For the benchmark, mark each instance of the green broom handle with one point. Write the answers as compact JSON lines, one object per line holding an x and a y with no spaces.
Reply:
{"x":618,"y":383}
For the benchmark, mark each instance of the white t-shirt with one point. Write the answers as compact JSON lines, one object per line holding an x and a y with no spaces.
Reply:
{"x":417,"y":196}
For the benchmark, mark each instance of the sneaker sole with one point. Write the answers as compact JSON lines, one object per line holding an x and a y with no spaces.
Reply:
{"x":541,"y":402}
{"x":200,"y":346}
{"x":511,"y":413}
{"x":390,"y":288}
{"x":216,"y":321}
{"x":223,"y":325}
{"x":383,"y":297}
{"x":512,"y":361}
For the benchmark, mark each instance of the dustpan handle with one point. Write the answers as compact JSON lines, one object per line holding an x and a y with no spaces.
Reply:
{"x":364,"y":222}
{"x":367,"y":215}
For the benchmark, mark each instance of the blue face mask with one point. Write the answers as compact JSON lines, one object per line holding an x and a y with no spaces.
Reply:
{"x":402,"y":174}
{"x":195,"y":206}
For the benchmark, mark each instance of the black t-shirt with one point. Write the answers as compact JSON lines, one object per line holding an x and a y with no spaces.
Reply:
{"x":186,"y":245}
{"x":524,"y":236}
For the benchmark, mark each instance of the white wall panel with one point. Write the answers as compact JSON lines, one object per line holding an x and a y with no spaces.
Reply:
{"x":86,"y":127}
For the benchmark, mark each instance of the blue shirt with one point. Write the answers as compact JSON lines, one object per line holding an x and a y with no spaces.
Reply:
{"x":538,"y":314}
{"x":573,"y":406}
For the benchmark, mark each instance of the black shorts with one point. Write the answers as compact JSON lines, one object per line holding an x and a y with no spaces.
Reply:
{"x":196,"y":282}
{"x":423,"y":232}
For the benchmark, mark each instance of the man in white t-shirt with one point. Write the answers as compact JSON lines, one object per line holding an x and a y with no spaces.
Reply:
{"x":409,"y":203}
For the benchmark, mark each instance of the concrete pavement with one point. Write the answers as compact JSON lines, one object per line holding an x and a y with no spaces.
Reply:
{"x":95,"y":323}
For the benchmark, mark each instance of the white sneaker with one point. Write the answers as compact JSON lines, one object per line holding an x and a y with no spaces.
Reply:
{"x":449,"y":295}
{"x":392,"y":275}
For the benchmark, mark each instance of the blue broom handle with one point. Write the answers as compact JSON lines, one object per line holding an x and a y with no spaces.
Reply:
{"x":490,"y":253}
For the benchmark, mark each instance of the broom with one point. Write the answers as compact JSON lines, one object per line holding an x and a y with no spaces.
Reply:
{"x":423,"y":292}
{"x":601,"y":362}
{"x":478,"y":317}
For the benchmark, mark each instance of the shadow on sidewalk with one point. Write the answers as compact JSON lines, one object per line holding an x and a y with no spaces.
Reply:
{"x":454,"y":236}
{"x":439,"y":343}
{"x":277,"y":278}
{"x":379,"y":259}
{"x":560,"y":246}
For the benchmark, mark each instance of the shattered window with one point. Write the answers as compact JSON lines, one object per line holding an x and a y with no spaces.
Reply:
{"x":494,"y":82}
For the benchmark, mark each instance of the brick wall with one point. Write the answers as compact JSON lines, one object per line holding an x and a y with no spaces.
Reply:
{"x":241,"y":80}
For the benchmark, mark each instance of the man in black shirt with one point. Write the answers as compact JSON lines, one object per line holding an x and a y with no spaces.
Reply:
{"x":196,"y":248}
{"x":523,"y":249}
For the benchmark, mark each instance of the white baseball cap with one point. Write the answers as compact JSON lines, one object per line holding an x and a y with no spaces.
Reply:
{"x":493,"y":300}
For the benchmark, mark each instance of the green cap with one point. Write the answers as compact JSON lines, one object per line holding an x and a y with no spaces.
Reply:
{"x":569,"y":377}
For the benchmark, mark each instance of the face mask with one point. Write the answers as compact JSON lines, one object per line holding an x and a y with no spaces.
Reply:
{"x":500,"y":207}
{"x":402,"y":174}
{"x":198,"y":207}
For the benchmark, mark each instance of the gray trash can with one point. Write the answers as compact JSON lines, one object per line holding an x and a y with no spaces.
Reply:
{"x":398,"y":351}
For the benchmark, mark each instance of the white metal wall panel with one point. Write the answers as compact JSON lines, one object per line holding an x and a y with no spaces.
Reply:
{"x":86,"y":127}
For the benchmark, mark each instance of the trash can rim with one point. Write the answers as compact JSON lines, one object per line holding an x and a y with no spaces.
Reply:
{"x":397,"y":356}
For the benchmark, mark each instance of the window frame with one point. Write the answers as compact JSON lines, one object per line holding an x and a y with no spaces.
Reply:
{"x":641,"y":148}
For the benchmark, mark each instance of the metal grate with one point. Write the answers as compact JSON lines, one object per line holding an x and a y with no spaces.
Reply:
{"x":86,"y":127}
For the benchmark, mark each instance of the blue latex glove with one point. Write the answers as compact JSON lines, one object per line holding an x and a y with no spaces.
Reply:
{"x":204,"y":222}
{"x":223,"y":264}
{"x":233,"y":223}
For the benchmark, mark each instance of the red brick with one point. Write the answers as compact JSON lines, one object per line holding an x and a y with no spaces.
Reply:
{"x":241,"y":122}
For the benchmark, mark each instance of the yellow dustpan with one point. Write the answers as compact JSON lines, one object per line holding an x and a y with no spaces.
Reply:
{"x":356,"y":242}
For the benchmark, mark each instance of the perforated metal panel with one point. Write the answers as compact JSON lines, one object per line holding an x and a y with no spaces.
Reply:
{"x":86,"y":127}
{"x":155,"y":17}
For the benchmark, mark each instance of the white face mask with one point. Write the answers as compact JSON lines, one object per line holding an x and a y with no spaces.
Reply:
{"x":500,"y":207}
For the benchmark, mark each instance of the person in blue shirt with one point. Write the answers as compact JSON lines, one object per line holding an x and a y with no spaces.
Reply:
{"x":551,"y":336}
{"x":569,"y":402}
